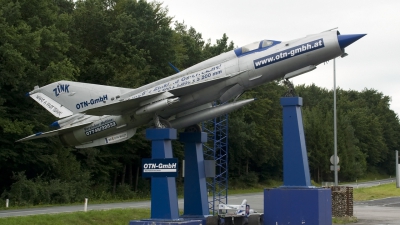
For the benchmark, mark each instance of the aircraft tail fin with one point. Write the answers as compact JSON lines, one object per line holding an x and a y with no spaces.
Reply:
{"x":65,"y":98}
{"x":242,"y":208}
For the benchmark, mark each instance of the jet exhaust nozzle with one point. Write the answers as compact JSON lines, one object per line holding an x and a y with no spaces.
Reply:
{"x":348,"y":39}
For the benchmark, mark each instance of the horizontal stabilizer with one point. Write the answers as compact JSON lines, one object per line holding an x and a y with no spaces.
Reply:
{"x":50,"y":105}
{"x":54,"y":132}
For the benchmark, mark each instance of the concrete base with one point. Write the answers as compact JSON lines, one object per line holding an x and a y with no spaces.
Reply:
{"x":166,"y":222}
{"x":297,"y":206}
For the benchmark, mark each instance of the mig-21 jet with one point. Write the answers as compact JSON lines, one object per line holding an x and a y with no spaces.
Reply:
{"x":93,"y":115}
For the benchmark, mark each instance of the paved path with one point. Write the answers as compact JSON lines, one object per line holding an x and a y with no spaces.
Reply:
{"x":379,"y":211}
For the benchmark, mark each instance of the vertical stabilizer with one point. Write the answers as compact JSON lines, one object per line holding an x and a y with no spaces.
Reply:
{"x":65,"y":98}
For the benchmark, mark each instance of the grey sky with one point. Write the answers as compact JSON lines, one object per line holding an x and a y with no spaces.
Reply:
{"x":373,"y":61}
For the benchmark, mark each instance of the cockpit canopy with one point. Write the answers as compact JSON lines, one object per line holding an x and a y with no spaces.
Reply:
{"x":255,"y":46}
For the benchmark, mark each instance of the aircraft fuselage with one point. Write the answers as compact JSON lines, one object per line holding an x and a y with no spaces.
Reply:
{"x":112,"y":114}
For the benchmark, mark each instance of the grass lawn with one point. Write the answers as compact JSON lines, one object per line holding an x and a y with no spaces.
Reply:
{"x":376,"y":192}
{"x":95,"y":217}
{"x":344,"y":220}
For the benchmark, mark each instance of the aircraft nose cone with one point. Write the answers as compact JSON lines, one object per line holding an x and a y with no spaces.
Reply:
{"x":348,"y":39}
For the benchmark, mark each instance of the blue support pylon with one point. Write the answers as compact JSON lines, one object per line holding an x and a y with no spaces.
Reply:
{"x":296,"y":170}
{"x":195,"y":189}
{"x":296,"y":202}
{"x":164,"y":200}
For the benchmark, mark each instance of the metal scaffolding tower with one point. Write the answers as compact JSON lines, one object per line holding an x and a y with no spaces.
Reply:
{"x":217,"y":149}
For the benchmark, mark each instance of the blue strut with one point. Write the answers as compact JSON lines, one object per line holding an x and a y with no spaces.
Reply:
{"x":164,"y":200}
{"x":195,"y":195}
{"x":296,"y":171}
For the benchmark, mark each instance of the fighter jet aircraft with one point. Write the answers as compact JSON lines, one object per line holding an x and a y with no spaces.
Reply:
{"x":93,"y":115}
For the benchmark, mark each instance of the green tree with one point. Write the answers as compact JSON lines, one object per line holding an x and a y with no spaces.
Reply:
{"x":33,"y":50}
{"x":255,"y":135}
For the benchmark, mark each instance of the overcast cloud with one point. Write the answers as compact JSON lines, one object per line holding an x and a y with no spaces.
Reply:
{"x":373,"y":61}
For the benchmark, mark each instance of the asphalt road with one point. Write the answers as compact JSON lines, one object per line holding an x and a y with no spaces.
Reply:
{"x":385,"y":202}
{"x":379,"y":211}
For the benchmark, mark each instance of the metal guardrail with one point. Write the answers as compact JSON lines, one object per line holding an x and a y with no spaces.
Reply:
{"x":371,"y":183}
{"x":361,"y":184}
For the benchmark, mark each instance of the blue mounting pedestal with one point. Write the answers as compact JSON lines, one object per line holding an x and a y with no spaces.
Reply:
{"x":164,"y":200}
{"x":195,"y":189}
{"x":297,"y":206}
{"x":296,"y":202}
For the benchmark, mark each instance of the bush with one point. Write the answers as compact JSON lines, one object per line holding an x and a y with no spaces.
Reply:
{"x":81,"y":187}
{"x":38,"y":191}
{"x":100,"y":192}
{"x":245,"y":181}
{"x":23,"y":191}
{"x":124,"y":192}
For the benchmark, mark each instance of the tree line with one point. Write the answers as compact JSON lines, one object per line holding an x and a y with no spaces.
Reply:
{"x":129,"y":43}
{"x":367,"y":134}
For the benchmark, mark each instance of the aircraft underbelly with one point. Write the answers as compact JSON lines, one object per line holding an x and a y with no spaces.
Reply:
{"x":107,"y":125}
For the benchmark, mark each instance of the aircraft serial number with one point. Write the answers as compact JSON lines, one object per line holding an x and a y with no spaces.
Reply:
{"x":101,"y":128}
